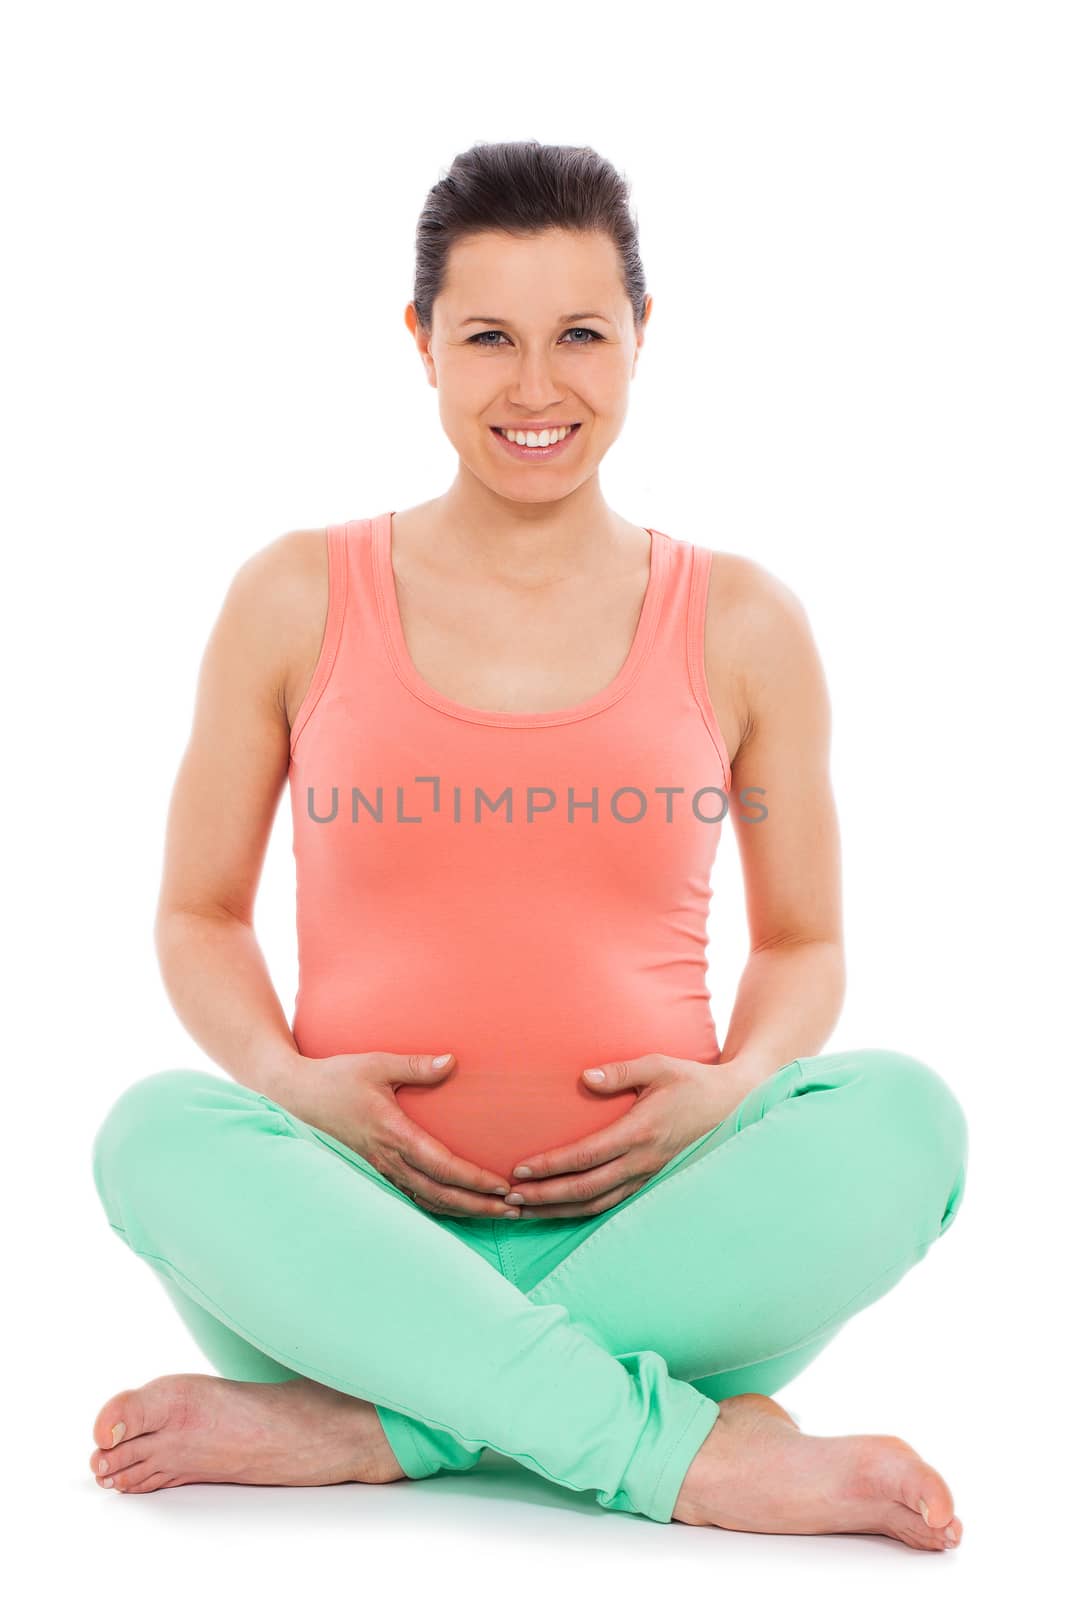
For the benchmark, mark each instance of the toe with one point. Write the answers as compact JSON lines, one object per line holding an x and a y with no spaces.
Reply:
{"x":910,"y":1528}
{"x":933,"y":1502}
{"x":132,"y":1412}
{"x":121,"y":1418}
{"x":134,"y":1476}
{"x":103,"y":1463}
{"x":148,"y":1483}
{"x":925,"y":1492}
{"x":896,"y":1473}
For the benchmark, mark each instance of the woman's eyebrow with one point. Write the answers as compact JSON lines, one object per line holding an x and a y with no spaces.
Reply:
{"x":571,"y":316}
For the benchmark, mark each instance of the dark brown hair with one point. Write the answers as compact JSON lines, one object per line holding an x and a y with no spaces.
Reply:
{"x":522,"y":187}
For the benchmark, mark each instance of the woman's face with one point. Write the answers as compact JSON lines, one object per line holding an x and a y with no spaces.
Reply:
{"x":531,"y":330}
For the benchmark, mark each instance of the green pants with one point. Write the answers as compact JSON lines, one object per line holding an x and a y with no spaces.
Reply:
{"x":592,"y":1350}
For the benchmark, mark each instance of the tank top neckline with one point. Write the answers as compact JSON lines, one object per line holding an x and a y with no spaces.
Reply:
{"x":404,"y":666}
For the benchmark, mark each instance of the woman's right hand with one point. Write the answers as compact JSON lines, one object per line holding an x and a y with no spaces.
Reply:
{"x":351,"y":1097}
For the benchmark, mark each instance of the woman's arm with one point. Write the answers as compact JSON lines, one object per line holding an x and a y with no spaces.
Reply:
{"x":222,"y":809}
{"x":792,"y":988}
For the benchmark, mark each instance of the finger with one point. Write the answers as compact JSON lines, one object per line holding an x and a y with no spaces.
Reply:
{"x":573,"y":1188}
{"x":445,"y":1211}
{"x":616,"y":1140}
{"x":429,"y":1156}
{"x":610,"y":1076}
{"x":446,"y":1198}
{"x":406,"y":1180}
{"x":602,"y":1203}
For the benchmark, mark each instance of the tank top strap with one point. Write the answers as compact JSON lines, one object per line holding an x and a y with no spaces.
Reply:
{"x":355,"y":550}
{"x":361,"y":645}
{"x":350,"y":592}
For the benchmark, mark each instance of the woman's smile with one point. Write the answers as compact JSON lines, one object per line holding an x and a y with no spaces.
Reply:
{"x":536,"y":452}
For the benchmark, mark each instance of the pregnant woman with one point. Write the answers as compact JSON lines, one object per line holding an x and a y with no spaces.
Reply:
{"x":499,"y":1186}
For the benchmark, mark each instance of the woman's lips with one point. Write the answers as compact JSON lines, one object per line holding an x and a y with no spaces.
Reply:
{"x":535,"y":453}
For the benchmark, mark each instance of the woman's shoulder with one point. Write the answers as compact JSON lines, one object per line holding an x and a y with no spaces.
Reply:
{"x":296,"y":557}
{"x":749,"y":597}
{"x":281,"y":592}
{"x":757,"y":640}
{"x":284,"y":584}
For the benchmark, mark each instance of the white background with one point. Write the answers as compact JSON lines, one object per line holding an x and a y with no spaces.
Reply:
{"x":853,"y":228}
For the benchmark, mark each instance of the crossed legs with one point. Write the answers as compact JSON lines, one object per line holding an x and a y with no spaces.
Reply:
{"x":290,"y":1258}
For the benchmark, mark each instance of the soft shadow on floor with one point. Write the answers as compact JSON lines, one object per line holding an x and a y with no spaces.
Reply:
{"x":508,"y":1525}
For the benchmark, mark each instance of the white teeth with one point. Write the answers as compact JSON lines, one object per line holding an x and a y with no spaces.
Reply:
{"x":546,"y":436}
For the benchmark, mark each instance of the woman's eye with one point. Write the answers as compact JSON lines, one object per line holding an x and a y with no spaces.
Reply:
{"x":488,"y":339}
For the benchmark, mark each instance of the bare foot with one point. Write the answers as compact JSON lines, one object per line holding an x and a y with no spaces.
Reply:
{"x":193,"y":1428}
{"x":757,"y":1473}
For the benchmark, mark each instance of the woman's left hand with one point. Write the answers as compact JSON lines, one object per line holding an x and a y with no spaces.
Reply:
{"x":677,"y":1101}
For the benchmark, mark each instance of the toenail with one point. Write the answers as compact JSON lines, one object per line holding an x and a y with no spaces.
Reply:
{"x":952,"y":1538}
{"x":117,"y":1432}
{"x":101,"y":1468}
{"x":108,"y":1483}
{"x":925,"y":1509}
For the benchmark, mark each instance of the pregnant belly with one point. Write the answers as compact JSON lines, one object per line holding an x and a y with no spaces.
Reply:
{"x":515,"y":1089}
{"x":498,"y":1121}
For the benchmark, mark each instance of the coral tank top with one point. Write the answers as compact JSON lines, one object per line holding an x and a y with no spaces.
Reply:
{"x":527,"y":890}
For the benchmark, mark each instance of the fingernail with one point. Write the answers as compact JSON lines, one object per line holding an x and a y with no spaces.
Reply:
{"x":514,"y":1199}
{"x":500,"y":1191}
{"x":513,"y":1213}
{"x":594,"y":1072}
{"x":441,"y":1061}
{"x":522,"y":1172}
{"x":117,"y":1432}
{"x":925,"y":1509}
